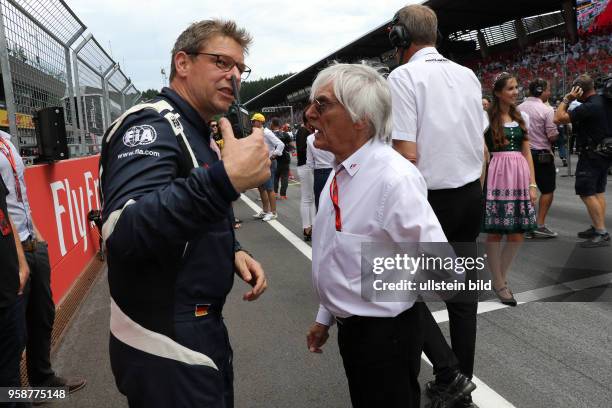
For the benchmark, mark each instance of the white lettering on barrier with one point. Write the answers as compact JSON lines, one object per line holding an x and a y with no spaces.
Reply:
{"x":76,"y":208}
{"x":59,"y":210}
{"x":80,"y":215}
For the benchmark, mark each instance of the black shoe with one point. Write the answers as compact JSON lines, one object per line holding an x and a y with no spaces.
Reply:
{"x":511,"y":301}
{"x":434,"y":388}
{"x":465,"y":402}
{"x":598,"y":240}
{"x":307,"y":235}
{"x":73,"y":384}
{"x":453,"y":393}
{"x":587,"y":233}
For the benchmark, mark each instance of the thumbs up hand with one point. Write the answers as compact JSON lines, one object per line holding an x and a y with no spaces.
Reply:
{"x":246,"y":160}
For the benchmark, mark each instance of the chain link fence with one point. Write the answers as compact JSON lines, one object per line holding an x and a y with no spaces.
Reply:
{"x":47,"y":60}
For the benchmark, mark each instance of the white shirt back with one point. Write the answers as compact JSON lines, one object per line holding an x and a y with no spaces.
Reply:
{"x":317,"y":158}
{"x":437,"y":104}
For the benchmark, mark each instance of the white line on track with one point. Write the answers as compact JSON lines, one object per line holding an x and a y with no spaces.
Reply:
{"x":483,"y":396}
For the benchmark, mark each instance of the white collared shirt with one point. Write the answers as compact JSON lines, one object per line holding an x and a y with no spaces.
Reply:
{"x":19,"y":212}
{"x":438,"y":104}
{"x":382,"y":198}
{"x":275,"y":145}
{"x":317,"y":158}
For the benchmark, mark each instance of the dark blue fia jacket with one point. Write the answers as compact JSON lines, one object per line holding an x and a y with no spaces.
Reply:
{"x":174,"y":246}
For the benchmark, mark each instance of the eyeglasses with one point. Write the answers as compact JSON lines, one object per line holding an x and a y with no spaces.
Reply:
{"x":213,"y":125}
{"x":322,"y":105}
{"x":225,"y":64}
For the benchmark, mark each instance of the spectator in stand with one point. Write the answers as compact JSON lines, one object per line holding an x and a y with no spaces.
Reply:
{"x":307,"y":207}
{"x":542,"y":133}
{"x":266,"y":190}
{"x":511,"y":189}
{"x":40,"y":309}
{"x":320,"y":162}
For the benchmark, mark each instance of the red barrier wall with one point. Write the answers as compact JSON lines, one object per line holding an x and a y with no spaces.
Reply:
{"x":61,"y":195}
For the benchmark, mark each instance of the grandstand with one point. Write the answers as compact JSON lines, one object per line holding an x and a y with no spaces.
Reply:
{"x":527,"y":38}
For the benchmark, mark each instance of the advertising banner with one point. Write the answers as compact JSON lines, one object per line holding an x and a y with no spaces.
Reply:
{"x":61,"y":195}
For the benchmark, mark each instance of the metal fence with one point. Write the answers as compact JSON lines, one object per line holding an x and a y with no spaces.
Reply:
{"x":47,"y":60}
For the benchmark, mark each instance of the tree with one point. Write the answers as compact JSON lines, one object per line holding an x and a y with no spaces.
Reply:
{"x":149,"y":94}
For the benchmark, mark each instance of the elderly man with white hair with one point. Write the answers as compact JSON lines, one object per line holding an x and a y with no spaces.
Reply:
{"x":365,"y":200}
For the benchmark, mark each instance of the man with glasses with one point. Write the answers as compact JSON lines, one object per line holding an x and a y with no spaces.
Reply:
{"x":380,"y":341}
{"x":172,"y":253}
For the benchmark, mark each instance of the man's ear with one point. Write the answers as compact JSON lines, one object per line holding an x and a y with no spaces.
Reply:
{"x":361,"y":124}
{"x":182,"y":63}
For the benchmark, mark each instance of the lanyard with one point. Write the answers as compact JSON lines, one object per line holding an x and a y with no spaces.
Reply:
{"x":5,"y":148}
{"x":333,"y":192}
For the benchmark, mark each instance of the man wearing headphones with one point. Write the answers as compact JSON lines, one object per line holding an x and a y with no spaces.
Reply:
{"x":542,"y":132}
{"x":438,"y":124}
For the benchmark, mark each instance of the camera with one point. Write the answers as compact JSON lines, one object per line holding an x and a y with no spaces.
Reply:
{"x":238,"y":115}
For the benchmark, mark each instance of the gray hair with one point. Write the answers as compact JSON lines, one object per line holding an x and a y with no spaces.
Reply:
{"x":364,"y":93}
{"x":421,"y":23}
{"x":197,"y":34}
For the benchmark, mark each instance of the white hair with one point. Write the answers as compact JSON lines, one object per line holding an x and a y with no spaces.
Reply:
{"x":364,"y":93}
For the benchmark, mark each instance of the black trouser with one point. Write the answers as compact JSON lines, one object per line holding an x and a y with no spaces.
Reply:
{"x":151,"y":381}
{"x":382,"y":358}
{"x":40,"y":314}
{"x":320,"y":178}
{"x":282,"y":175}
{"x":12,"y":340}
{"x":460,"y":212}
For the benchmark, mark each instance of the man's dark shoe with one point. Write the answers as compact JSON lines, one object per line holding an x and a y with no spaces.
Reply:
{"x":73,"y":384}
{"x":598,"y":240}
{"x":434,"y":388}
{"x":452,"y":395}
{"x":465,"y":402}
{"x":587,"y":233}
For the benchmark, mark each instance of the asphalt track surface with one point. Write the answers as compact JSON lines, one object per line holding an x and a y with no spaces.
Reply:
{"x":553,"y":350}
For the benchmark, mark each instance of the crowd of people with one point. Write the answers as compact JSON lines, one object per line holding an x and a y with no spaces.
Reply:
{"x":553,"y":60}
{"x":368,"y":159}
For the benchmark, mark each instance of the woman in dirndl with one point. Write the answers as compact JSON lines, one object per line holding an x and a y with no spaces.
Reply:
{"x":510,"y":187}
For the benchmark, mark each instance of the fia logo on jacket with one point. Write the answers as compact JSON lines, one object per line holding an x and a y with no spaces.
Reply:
{"x":139,"y":136}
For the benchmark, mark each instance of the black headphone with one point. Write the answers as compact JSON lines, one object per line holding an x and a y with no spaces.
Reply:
{"x":401,"y":38}
{"x":537,"y":87}
{"x":398,"y":33}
